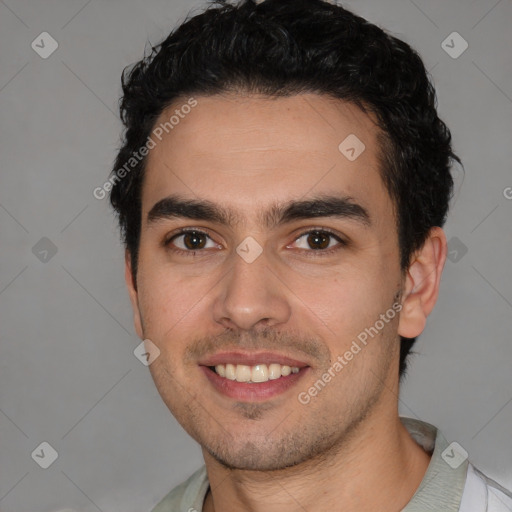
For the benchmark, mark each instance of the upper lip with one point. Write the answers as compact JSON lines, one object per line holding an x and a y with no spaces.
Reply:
{"x":250,"y":359}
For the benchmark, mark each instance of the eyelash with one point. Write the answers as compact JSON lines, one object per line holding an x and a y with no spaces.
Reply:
{"x":311,"y":252}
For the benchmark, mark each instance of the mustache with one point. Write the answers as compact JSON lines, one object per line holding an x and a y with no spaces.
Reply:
{"x":294,"y":344}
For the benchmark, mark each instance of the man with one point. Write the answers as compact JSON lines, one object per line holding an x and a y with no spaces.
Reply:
{"x":281,"y":191}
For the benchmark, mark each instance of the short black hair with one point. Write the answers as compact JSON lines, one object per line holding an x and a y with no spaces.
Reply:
{"x":279,"y":48}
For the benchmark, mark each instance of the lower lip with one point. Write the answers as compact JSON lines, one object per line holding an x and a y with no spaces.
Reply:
{"x":255,"y":392}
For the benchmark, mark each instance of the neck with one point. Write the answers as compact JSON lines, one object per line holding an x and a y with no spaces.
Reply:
{"x":379,"y":468}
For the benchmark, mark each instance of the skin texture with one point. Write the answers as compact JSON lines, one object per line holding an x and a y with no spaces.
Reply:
{"x":347,"y":444}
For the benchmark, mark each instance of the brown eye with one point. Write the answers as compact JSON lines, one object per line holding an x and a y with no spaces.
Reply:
{"x":318,"y":240}
{"x":194,"y":240}
{"x":189,"y":240}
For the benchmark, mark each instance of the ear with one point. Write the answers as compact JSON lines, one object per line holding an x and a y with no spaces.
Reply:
{"x":132,"y":291}
{"x":422,"y":284}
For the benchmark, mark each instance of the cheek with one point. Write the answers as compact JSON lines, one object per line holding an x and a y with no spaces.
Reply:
{"x":168,"y":302}
{"x":346,"y":303}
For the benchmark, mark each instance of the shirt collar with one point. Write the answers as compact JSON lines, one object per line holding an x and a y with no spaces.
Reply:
{"x":443,"y":483}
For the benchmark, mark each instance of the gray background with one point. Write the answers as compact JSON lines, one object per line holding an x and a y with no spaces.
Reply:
{"x":68,"y":375}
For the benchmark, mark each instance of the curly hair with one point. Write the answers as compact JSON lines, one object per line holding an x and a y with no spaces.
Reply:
{"x":281,"y":48}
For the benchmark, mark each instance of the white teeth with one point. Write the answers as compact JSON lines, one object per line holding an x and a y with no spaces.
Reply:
{"x":230,"y":371}
{"x":243,"y":373}
{"x":256,"y":373}
{"x":274,"y":371}
{"x":259,"y":373}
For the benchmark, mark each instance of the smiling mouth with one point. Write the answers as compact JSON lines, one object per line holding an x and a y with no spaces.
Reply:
{"x":253,"y":374}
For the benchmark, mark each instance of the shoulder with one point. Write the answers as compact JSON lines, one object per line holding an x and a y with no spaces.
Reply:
{"x":188,"y":496}
{"x":482,"y":494}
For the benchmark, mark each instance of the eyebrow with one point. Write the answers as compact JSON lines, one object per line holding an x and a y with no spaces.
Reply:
{"x":175,"y":206}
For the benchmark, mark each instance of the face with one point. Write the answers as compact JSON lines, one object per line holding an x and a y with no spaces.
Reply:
{"x":263,"y":288}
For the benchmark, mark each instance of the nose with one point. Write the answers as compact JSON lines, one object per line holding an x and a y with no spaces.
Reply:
{"x":251,"y":296}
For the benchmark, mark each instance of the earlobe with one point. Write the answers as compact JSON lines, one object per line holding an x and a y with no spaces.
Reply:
{"x":422,"y":283}
{"x":132,"y":291}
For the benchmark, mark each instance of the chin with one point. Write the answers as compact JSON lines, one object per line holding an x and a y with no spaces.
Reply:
{"x":252,"y":458}
{"x":264,"y":453}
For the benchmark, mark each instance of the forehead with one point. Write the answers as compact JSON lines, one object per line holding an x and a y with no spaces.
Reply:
{"x":248,"y":150}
